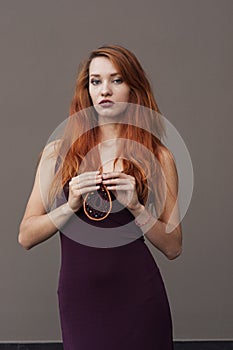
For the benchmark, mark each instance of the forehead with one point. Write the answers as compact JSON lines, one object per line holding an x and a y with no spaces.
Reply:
{"x":102,"y":65}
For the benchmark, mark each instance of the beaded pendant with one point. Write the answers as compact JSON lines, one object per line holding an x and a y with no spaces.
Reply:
{"x":98,"y":204}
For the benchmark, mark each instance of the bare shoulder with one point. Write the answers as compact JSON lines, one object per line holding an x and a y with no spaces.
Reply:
{"x":169,"y":169}
{"x":168,"y":162}
{"x":166,"y":156}
{"x":49,"y":150}
{"x":171,"y":213}
{"x":37,"y":202}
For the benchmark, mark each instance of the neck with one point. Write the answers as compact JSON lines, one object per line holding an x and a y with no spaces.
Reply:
{"x":109,"y":131}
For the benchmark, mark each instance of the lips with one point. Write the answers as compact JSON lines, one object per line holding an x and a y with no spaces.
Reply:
{"x":106,"y":103}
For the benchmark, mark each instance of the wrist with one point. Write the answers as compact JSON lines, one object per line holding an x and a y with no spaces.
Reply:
{"x":67,"y":210}
{"x":145,"y":220}
{"x":137,"y":210}
{"x":142,"y":221}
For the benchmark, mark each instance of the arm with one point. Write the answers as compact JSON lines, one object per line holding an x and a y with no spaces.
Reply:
{"x":165,"y":233}
{"x":37,"y":225}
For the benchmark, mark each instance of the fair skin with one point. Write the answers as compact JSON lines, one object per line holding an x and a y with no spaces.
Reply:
{"x":105,"y":82}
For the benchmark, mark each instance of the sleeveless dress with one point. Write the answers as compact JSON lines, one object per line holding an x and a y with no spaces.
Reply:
{"x":110,"y":297}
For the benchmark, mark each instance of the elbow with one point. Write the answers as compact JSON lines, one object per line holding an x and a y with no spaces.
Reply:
{"x":173,"y":254}
{"x":24,"y":242}
{"x":174,"y":249}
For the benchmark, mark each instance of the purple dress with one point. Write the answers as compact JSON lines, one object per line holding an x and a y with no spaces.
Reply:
{"x":110,"y":298}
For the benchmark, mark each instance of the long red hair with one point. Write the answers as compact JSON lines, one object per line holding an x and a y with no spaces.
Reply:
{"x":81,"y":131}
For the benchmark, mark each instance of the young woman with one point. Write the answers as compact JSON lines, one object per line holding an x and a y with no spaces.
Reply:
{"x":111,"y":293}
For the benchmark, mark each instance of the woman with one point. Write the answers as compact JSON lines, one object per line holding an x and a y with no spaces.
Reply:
{"x":111,"y":295}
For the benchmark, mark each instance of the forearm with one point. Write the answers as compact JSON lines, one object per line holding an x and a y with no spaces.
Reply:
{"x":37,"y":229}
{"x":155,"y":230}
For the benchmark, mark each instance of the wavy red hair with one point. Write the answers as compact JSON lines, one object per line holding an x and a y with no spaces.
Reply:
{"x":81,"y":133}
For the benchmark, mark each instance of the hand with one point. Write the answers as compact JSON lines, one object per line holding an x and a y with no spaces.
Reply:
{"x":123,"y":187}
{"x":81,"y":184}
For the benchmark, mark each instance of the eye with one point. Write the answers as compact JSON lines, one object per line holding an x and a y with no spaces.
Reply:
{"x":95,"y":81}
{"x":118,"y":80}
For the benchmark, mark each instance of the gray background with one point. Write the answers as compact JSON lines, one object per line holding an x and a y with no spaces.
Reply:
{"x":186,"y":48}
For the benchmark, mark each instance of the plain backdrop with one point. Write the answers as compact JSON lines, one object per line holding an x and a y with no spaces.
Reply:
{"x":185,"y":46}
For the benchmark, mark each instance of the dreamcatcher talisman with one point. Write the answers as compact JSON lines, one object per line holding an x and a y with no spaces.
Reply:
{"x":98,"y":204}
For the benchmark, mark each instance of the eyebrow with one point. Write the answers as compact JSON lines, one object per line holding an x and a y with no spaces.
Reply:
{"x":112,"y":75}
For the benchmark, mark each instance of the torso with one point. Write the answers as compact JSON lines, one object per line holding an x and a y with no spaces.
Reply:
{"x":108,"y":166}
{"x":107,"y":155}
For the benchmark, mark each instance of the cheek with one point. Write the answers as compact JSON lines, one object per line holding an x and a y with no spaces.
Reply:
{"x":91,"y":93}
{"x":126,"y":94}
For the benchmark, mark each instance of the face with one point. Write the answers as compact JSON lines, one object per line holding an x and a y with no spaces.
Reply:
{"x":108,"y":91}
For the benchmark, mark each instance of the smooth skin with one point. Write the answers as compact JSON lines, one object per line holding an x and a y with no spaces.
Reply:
{"x":37,"y":225}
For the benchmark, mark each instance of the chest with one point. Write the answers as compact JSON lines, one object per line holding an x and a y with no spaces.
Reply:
{"x":107,"y":157}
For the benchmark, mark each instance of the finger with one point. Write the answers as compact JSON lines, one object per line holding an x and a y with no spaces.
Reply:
{"x":88,"y":175}
{"x":119,"y":187}
{"x":79,"y":178}
{"x":85,"y":183}
{"x":86,"y":190}
{"x":115,"y":174}
{"x":116,"y":181}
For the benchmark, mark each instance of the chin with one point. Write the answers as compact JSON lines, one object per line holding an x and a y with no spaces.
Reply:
{"x":116,"y":111}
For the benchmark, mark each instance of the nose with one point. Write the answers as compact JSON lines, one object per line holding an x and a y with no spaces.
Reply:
{"x":106,"y":89}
